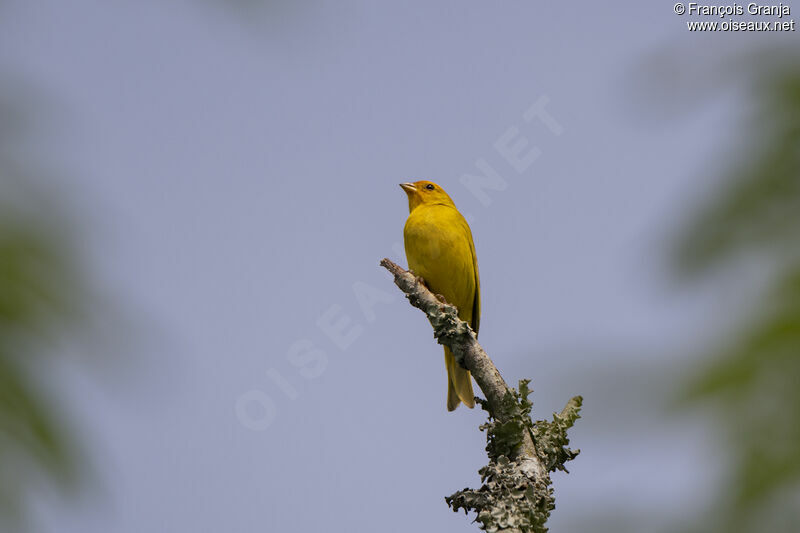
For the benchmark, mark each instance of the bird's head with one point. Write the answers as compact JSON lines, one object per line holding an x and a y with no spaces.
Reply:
{"x":425,"y":193}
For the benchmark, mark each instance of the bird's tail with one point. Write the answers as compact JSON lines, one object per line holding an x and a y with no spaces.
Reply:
{"x":459,"y":383}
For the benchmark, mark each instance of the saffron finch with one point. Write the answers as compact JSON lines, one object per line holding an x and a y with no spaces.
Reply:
{"x":440,"y":250}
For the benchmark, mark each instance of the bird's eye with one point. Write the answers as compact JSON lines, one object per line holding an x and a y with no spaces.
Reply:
{"x":429,"y":187}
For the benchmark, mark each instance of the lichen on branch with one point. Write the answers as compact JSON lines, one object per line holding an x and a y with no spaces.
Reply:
{"x":510,"y":499}
{"x":516,"y":495}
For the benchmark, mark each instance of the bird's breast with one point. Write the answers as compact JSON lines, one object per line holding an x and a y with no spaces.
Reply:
{"x":438,"y":249}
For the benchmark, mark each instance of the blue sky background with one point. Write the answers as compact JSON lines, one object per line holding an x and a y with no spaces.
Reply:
{"x":234,"y":173}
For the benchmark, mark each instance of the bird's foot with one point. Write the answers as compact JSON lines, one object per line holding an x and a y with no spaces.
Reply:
{"x":421,"y":281}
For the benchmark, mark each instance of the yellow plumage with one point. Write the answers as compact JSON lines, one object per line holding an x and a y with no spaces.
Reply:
{"x":440,"y":250}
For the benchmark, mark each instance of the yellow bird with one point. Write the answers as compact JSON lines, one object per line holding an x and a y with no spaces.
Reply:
{"x":440,"y":250}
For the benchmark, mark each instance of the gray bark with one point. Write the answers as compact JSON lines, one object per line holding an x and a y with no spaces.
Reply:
{"x":453,"y":332}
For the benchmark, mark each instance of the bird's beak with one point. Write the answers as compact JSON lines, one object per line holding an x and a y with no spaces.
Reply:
{"x":408,"y":187}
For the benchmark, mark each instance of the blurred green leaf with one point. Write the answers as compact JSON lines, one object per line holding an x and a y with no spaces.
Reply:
{"x":42,"y":299}
{"x":752,"y":383}
{"x":38,"y":299}
{"x":758,"y":210}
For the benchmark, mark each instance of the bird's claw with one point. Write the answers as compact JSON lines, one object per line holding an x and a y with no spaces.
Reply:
{"x":419,"y":280}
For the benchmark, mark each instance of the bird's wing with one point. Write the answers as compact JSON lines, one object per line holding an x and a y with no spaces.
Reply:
{"x":476,"y":302}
